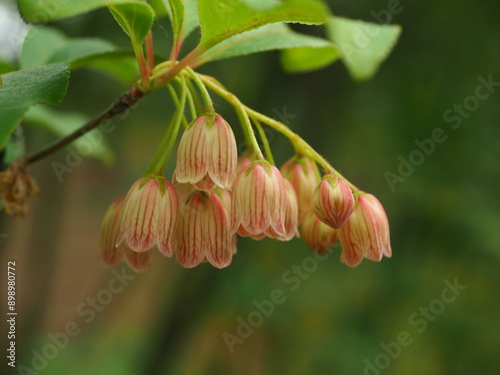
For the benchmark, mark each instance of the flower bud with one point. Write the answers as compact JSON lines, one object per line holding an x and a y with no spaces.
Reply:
{"x":317,"y":235}
{"x":259,"y":201}
{"x":366,"y":232}
{"x":207,"y":154}
{"x":204,"y":232}
{"x":149,"y":216}
{"x":333,"y":201}
{"x":302,"y":174}
{"x":111,"y":254}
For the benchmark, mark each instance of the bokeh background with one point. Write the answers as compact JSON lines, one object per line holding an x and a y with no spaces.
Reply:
{"x":444,"y":216}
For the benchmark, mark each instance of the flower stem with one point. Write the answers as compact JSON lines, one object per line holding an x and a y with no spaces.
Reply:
{"x":296,"y":140}
{"x":174,"y":126}
{"x":176,"y":101}
{"x":265,"y":142}
{"x":150,"y":51}
{"x":209,"y":105}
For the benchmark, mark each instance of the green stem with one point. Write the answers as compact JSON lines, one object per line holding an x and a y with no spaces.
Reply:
{"x":193,"y":94}
{"x":296,"y":140}
{"x":143,"y":67}
{"x":192,"y":106}
{"x":176,"y":101}
{"x":175,"y":125}
{"x":163,"y":79}
{"x":265,"y":142}
{"x":209,"y":105}
{"x":150,"y":51}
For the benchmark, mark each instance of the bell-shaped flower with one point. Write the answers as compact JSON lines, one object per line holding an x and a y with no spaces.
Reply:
{"x":291,"y":216}
{"x":207,"y":154}
{"x":138,"y":261}
{"x":149,"y":216}
{"x":366,"y":232}
{"x":317,"y":235}
{"x":301,"y":172}
{"x":204,"y":231}
{"x":259,"y":201}
{"x":111,"y":254}
{"x":333,"y":201}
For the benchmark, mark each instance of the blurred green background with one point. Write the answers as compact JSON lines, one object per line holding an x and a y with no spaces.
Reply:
{"x":444,"y":216}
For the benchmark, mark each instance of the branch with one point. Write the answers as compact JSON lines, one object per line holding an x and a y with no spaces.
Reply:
{"x":127,"y":100}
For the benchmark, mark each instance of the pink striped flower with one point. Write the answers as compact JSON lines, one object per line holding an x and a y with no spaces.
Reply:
{"x":243,"y":162}
{"x":207,"y":154}
{"x":291,"y":216}
{"x":259,"y":201}
{"x":301,"y":172}
{"x":204,"y":232}
{"x":138,"y":261}
{"x":149,"y":217}
{"x":366,"y":232}
{"x":317,"y":235}
{"x":111,"y":254}
{"x":333,"y":201}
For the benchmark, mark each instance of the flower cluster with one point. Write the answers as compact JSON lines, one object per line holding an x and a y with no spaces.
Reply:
{"x":215,"y":196}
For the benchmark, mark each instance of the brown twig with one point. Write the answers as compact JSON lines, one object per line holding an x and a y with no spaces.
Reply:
{"x":123,"y":103}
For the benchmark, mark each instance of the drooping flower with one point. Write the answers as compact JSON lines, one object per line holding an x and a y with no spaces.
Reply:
{"x":317,"y":235}
{"x":207,"y":154}
{"x":225,"y":197}
{"x":333,"y":201}
{"x":204,"y":231}
{"x":291,"y":216}
{"x":138,"y":261}
{"x":111,"y":254}
{"x":302,"y":174}
{"x":366,"y":232}
{"x":259,"y":201}
{"x":149,"y":217}
{"x":243,"y":162}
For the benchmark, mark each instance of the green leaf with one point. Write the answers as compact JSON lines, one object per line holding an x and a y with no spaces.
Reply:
{"x":190,"y":10}
{"x":82,"y":50}
{"x":160,"y":7}
{"x":191,"y":17}
{"x":42,"y":11}
{"x":39,"y":45}
{"x":364,"y":45}
{"x":64,"y":123}
{"x":5,"y":67}
{"x":44,"y":45}
{"x":269,"y":37}
{"x":222,"y":19}
{"x":306,"y":59}
{"x":177,"y":17}
{"x":124,"y":69}
{"x":21,"y":89}
{"x":15,"y":147}
{"x":135,"y":19}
